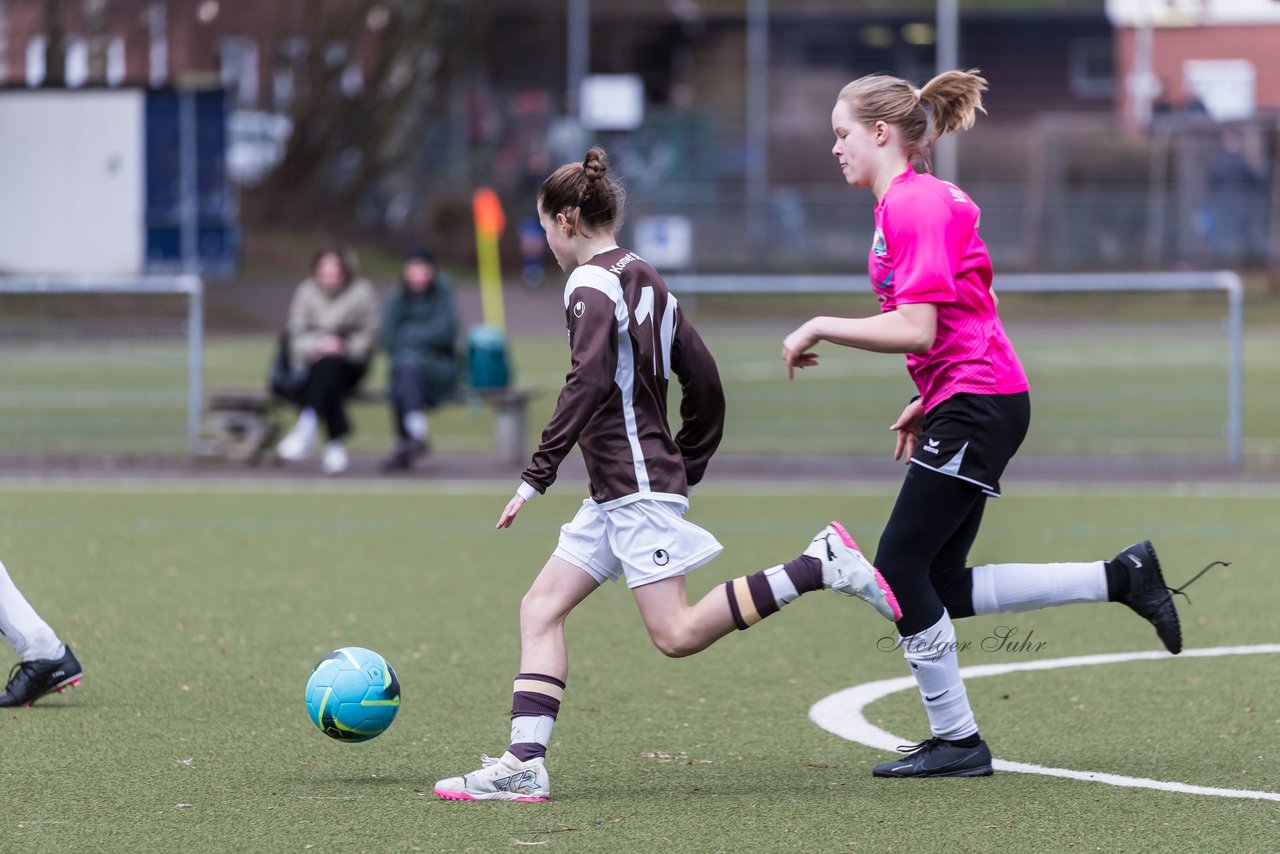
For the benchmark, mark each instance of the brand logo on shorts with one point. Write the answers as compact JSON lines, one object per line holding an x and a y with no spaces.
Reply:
{"x":579,"y":309}
{"x":661,"y":557}
{"x":932,"y":446}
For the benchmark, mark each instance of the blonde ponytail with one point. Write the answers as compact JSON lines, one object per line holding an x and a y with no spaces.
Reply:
{"x":953,"y":99}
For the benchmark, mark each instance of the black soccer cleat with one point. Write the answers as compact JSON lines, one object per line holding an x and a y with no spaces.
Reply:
{"x":1149,"y":596}
{"x":31,"y":680}
{"x":938,"y":758}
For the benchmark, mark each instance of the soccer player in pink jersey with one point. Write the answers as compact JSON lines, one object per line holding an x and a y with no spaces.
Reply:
{"x":932,"y":275}
{"x":627,"y":338}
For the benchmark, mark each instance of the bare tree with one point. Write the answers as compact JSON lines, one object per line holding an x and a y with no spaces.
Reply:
{"x":374,"y":72}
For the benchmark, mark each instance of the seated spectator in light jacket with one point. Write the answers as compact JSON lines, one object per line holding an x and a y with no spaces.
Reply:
{"x":333,"y":324}
{"x":419,"y":332}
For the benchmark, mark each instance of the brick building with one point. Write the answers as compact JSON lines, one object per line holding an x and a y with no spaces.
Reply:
{"x":251,"y":48}
{"x":1214,"y":56}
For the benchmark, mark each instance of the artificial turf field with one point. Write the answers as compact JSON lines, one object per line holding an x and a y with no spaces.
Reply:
{"x":199,"y":608}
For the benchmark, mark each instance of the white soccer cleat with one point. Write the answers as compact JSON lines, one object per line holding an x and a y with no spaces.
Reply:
{"x":297,"y":442}
{"x":335,"y":460}
{"x":502,"y":779}
{"x":847,"y":571}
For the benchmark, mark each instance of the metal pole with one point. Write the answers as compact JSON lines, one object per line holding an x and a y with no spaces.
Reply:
{"x":1234,"y":287}
{"x":578,"y":60}
{"x":195,"y":361}
{"x":757,"y":122}
{"x":946,"y":58}
{"x":188,"y":205}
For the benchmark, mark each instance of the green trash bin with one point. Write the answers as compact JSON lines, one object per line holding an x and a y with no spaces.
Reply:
{"x":487,"y":358}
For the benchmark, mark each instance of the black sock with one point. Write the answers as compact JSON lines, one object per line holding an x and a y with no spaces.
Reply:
{"x":968,"y":741}
{"x":1117,"y":581}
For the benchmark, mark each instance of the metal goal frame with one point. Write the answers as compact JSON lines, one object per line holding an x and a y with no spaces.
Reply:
{"x":1227,"y":281}
{"x":191,"y":286}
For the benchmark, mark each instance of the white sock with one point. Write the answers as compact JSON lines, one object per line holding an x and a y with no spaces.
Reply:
{"x":933,"y":660}
{"x":1026,"y":586}
{"x":783,"y":588}
{"x":415,"y":424}
{"x":30,"y":636}
{"x":532,"y":729}
{"x":307,"y":420}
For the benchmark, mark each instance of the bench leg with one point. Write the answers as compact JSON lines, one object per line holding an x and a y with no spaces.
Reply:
{"x":510,"y":425}
{"x":239,"y":435}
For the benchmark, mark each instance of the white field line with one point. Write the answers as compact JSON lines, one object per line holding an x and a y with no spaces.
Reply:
{"x":841,"y":713}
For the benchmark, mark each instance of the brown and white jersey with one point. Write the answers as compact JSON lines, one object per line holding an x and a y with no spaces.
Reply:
{"x":627,"y":336}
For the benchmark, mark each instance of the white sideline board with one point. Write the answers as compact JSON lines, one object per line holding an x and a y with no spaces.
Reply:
{"x":72,"y":165}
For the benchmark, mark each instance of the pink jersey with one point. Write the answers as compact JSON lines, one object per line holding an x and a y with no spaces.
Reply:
{"x":927,"y":249}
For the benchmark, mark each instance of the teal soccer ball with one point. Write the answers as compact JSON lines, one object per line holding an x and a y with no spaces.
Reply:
{"x":353,"y":694}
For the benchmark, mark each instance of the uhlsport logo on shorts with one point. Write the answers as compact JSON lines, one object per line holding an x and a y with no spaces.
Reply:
{"x":661,"y":557}
{"x":579,"y":309}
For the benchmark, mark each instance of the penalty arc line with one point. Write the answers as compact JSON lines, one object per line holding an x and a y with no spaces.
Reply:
{"x":842,"y":714}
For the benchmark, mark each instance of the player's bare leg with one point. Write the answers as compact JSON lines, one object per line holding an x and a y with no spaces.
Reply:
{"x":832,"y":561}
{"x":559,"y":588}
{"x":677,"y":628}
{"x":520,"y":774}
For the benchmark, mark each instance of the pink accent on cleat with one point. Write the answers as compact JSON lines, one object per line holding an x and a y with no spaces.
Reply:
{"x":880,"y":580}
{"x":453,"y":796}
{"x":463,"y":796}
{"x":888,"y":596}
{"x":846,"y":536}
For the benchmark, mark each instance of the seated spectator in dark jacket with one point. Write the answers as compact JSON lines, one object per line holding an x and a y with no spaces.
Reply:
{"x":419,"y":332}
{"x":333,"y":324}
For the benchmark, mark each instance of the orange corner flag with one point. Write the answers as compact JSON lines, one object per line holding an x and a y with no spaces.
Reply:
{"x":488,"y":212}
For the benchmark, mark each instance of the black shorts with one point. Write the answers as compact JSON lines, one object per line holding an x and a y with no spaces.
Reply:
{"x":973,"y":436}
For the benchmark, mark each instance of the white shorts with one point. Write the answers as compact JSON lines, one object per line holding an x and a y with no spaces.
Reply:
{"x":647,"y":540}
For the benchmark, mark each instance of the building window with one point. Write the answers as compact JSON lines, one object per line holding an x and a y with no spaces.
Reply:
{"x":157,"y":43}
{"x":1091,"y":69}
{"x":239,"y":57}
{"x":352,"y":80}
{"x":35,"y":61}
{"x":291,"y":57}
{"x":117,"y":69}
{"x":77,"y":63}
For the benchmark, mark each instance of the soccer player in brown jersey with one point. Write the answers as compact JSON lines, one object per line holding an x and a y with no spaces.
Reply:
{"x":627,"y":336}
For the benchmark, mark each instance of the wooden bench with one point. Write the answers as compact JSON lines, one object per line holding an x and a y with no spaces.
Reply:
{"x":244,"y":424}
